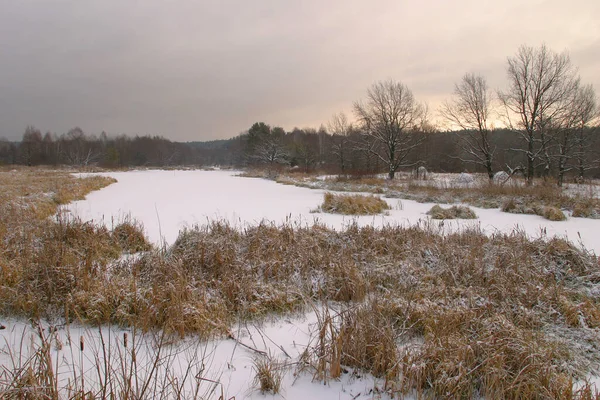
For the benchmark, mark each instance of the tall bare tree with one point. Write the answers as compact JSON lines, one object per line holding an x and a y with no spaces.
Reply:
{"x":31,"y":145}
{"x":540,"y":84}
{"x":340,"y":128}
{"x":470,"y":109}
{"x":390,"y":116}
{"x":585,"y":121}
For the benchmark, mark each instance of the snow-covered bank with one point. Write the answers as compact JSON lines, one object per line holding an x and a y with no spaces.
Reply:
{"x":167,"y":201}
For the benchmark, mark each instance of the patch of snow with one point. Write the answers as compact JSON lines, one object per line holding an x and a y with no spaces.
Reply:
{"x":225,"y":366}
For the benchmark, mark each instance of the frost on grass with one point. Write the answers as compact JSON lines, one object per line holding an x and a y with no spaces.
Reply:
{"x":130,"y":236}
{"x":356,"y":204}
{"x":454,"y":212}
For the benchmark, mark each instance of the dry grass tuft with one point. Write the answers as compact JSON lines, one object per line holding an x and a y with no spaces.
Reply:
{"x":454,"y":212}
{"x":353,"y":204}
{"x":518,"y":207}
{"x":268,"y":374}
{"x":554,"y":214}
{"x":130,"y":236}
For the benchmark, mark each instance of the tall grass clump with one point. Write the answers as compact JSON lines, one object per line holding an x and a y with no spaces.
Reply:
{"x":50,"y":364}
{"x":454,"y":212}
{"x":130,"y":236}
{"x":356,"y":204}
{"x":519,"y":207}
{"x":268,"y":374}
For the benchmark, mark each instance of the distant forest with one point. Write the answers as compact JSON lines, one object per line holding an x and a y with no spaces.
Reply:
{"x":264,"y":146}
{"x":551,"y":117}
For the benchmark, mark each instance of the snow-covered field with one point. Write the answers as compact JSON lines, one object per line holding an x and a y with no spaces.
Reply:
{"x":167,"y":201}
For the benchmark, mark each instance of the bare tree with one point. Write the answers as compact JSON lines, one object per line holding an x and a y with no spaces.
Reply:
{"x":390,"y":116}
{"x":340,"y":128}
{"x":470,"y":109}
{"x":573,"y":139}
{"x":78,"y":149}
{"x":271,"y":152}
{"x":31,"y":145}
{"x":540,"y":83}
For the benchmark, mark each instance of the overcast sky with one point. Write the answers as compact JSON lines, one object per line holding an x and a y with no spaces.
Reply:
{"x":202,"y":70}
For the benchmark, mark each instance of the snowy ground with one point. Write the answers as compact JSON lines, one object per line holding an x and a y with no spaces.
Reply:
{"x":223,"y":368}
{"x":167,"y":201}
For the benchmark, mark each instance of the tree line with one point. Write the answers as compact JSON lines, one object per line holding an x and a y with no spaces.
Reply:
{"x":549,"y":122}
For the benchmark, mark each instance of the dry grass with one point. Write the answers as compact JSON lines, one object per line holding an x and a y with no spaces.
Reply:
{"x":454,"y":212}
{"x":518,"y":207}
{"x":268,"y":374}
{"x":132,"y":366}
{"x":457,"y":316}
{"x":353,"y":204}
{"x":130,"y":236}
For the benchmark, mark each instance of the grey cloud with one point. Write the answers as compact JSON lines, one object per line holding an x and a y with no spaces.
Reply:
{"x":198,"y":70}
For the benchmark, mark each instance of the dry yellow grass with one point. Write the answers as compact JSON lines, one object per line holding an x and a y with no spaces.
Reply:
{"x":454,"y":212}
{"x":355,"y":204}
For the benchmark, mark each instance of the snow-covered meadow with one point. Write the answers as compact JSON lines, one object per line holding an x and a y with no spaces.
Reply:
{"x":167,"y":201}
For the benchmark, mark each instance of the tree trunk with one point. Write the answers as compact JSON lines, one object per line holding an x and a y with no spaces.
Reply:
{"x":530,"y":161}
{"x":488,"y":167}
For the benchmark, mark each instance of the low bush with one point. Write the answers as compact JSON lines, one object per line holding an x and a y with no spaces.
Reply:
{"x":553,"y":214}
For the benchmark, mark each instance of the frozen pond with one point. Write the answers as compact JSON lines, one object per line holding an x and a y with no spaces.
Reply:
{"x":167,"y":201}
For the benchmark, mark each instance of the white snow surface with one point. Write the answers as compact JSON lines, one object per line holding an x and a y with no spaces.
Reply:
{"x":224,"y":366}
{"x":167,"y":201}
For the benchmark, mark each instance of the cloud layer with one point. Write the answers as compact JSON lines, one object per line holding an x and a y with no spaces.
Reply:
{"x":201,"y":70}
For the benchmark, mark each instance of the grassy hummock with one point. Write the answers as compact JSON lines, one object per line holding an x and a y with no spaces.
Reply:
{"x":355,"y":204}
{"x":454,"y":212}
